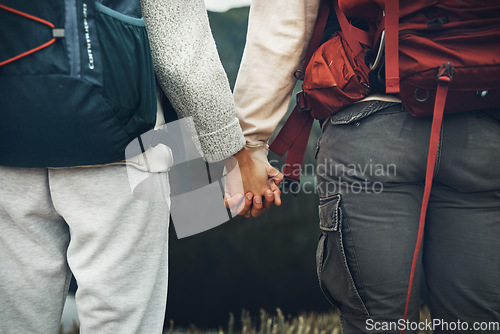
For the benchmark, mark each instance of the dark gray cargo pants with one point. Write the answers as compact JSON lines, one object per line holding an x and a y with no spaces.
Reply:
{"x":371,"y":171}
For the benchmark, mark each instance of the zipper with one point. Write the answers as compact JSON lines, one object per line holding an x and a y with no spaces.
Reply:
{"x":72,"y":37}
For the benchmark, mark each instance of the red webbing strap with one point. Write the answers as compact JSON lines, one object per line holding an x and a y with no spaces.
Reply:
{"x":352,"y":35}
{"x":34,"y":18}
{"x":290,"y":131}
{"x":444,"y":80}
{"x":318,"y":30}
{"x":392,"y":46}
{"x":294,"y":134}
{"x":296,"y":153}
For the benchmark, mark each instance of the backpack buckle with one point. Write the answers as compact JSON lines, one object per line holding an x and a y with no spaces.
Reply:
{"x":445,"y":73}
{"x":300,"y":100}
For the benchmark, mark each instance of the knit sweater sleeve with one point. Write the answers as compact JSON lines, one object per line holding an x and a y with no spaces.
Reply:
{"x":190,"y":73}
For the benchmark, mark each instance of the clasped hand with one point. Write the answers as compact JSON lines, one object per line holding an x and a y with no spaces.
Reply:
{"x":251,"y":185}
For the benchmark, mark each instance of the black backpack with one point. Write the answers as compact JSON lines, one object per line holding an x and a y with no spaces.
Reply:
{"x":76,"y":81}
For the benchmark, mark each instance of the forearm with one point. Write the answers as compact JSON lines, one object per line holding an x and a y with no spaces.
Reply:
{"x":278,"y":35}
{"x":190,"y":73}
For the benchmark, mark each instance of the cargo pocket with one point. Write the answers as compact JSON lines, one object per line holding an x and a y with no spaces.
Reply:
{"x":128,"y":74}
{"x":335,"y":279}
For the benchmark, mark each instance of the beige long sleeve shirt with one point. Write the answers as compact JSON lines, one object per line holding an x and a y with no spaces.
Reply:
{"x":277,"y":39}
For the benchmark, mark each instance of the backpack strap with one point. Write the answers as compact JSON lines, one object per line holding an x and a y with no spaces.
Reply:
{"x":57,"y":33}
{"x":444,"y":78}
{"x":354,"y":36}
{"x":392,"y":46}
{"x":319,"y":29}
{"x":294,"y":134}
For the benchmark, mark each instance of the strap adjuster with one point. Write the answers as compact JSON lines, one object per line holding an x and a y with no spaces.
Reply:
{"x":445,"y":73}
{"x":58,"y":32}
{"x":301,"y":102}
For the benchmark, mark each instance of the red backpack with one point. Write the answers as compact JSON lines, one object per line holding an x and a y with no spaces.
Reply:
{"x":460,"y":40}
{"x":441,"y":56}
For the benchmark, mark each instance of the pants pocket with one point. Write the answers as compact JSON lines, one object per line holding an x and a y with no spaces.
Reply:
{"x":334,"y":274}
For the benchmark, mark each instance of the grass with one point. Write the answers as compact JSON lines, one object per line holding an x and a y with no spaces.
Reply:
{"x":265,"y":323}
{"x":278,"y":323}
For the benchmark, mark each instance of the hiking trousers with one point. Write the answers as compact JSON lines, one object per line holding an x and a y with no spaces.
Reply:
{"x":371,"y":163}
{"x":85,"y":221}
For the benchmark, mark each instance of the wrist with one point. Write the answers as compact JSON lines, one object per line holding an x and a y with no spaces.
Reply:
{"x":258,"y":152}
{"x":241,"y":158}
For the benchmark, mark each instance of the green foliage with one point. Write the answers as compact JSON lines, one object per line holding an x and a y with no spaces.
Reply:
{"x":229,"y":30}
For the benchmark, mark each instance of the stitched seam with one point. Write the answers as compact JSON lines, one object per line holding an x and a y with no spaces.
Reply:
{"x":320,"y":266}
{"x":331,"y":215}
{"x":336,"y":215}
{"x":359,"y":271}
{"x":375,"y":107}
{"x":352,"y":118}
{"x":439,"y":151}
{"x":349,"y":276}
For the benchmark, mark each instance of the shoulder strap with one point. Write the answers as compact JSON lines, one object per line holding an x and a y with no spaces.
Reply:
{"x":294,"y":134}
{"x":392,"y":46}
{"x":319,"y":29}
{"x":352,"y":35}
{"x":444,"y":79}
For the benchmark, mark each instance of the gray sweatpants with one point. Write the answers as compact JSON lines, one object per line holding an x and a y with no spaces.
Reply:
{"x":83,"y":221}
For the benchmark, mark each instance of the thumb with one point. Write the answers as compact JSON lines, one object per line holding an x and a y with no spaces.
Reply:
{"x":274,"y":174}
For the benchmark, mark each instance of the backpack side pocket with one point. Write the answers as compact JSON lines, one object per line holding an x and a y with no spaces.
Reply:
{"x":128,"y":73}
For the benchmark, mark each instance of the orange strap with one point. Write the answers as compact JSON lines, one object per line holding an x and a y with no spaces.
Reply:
{"x":294,"y":134}
{"x":34,"y":18}
{"x":392,"y":46}
{"x":445,"y":76}
{"x":354,"y":36}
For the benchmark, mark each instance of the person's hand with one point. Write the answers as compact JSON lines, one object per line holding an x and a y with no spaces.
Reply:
{"x":253,"y":206}
{"x":271,"y":196}
{"x":251,"y":185}
{"x":250,"y":205}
